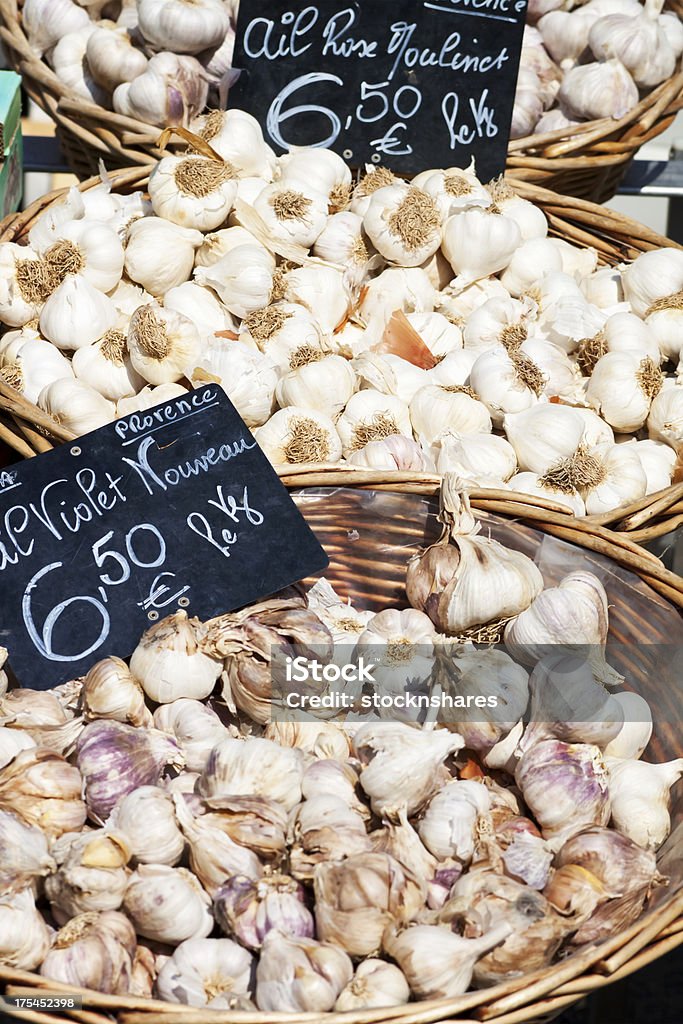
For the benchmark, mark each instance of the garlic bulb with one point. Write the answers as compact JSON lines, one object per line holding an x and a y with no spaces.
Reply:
{"x":400,"y":764}
{"x":213,"y":854}
{"x":603,"y":288}
{"x":566,"y":786}
{"x":593,"y":91}
{"x":76,"y":314}
{"x":114,"y":759}
{"x":375,"y":984}
{"x":193,"y":191}
{"x":408,"y":289}
{"x":206,"y":973}
{"x":372,"y":416}
{"x":455,"y":189}
{"x":390,"y":374}
{"x":393,"y":452}
{"x":112,"y":57}
{"x":287,"y":333}
{"x":12,"y":741}
{"x":342,"y":240}
{"x":75,"y":405}
{"x":635,"y":380}
{"x":325,"y":828}
{"x":162,"y":343}
{"x":464,"y":580}
{"x":665,"y":422}
{"x":32,"y":365}
{"x":530,"y":219}
{"x":652,"y":276}
{"x":46,"y":21}
{"x":658,"y":461}
{"x":170,"y":91}
{"x":25,"y":283}
{"x":544,"y":435}
{"x":146,"y":818}
{"x":477,"y":243}
{"x":528,"y":106}
{"x":506,"y":382}
{"x":636,"y":730}
{"x":449,"y":825}
{"x":436,"y":410}
{"x":403,"y":224}
{"x":521,"y":272}
{"x":237,"y":137}
{"x":200,"y":305}
{"x":475,"y":458}
{"x":68,"y":59}
{"x":324,"y":385}
{"x":196,"y":728}
{"x":254,"y":767}
{"x":616,"y":477}
{"x":88,"y":248}
{"x":298,"y":975}
{"x":639,"y":793}
{"x":24,"y":854}
{"x":160,"y":255}
{"x":639,"y":41}
{"x":91,"y":873}
{"x":437,"y":332}
{"x":149,"y":397}
{"x":295,"y":435}
{"x":219,"y":243}
{"x":322,"y":169}
{"x":250,"y":909}
{"x":248,"y":377}
{"x":243,"y":278}
{"x":183,"y":27}
{"x":169,"y":663}
{"x":24,"y":936}
{"x":93,"y":951}
{"x":45,"y":789}
{"x":167,"y":904}
{"x":106,"y":366}
{"x":565,"y":35}
{"x":295,"y":213}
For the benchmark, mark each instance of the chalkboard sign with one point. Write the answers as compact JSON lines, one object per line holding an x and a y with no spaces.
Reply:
{"x":174,"y":507}
{"x":405,"y":83}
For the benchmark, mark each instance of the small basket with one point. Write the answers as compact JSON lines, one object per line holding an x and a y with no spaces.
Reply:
{"x":588,"y":161}
{"x":369,"y":537}
{"x":616,"y":238}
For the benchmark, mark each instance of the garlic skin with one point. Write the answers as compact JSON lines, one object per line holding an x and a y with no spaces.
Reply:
{"x":297,"y":975}
{"x":296,"y":435}
{"x":639,"y":41}
{"x":566,"y":786}
{"x":522,"y":271}
{"x":342,"y":240}
{"x":437,"y":332}
{"x":455,"y":189}
{"x":219,"y":243}
{"x":169,"y":663}
{"x":12,"y":742}
{"x":237,"y":137}
{"x":31,"y":365}
{"x":639,"y":792}
{"x":477,"y":244}
{"x":46,"y":21}
{"x":243,"y":278}
{"x":195,"y":191}
{"x":162,"y":344}
{"x":372,"y":416}
{"x":76,"y":314}
{"x":205,"y":973}
{"x":89,"y":249}
{"x":213,"y":855}
{"x":75,"y":405}
{"x":658,"y":461}
{"x":253,"y":767}
{"x":506,"y":382}
{"x":160,"y":255}
{"x":325,"y":828}
{"x":201,"y":306}
{"x":196,"y":728}
{"x":183,"y":27}
{"x":652,"y":276}
{"x":295,"y":214}
{"x":112,"y":58}
{"x":476,"y":457}
{"x":106,"y":367}
{"x":109,"y":691}
{"x":325,"y":386}
{"x":114,"y":759}
{"x":69,"y":62}
{"x":24,"y":284}
{"x":394,"y":453}
{"x":665,"y":422}
{"x":390,"y":375}
{"x":24,"y":854}
{"x":247,"y":376}
{"x":250,"y":909}
{"x":636,"y":730}
{"x":403,"y":224}
{"x":167,"y":904}
{"x":435,"y":410}
{"x":24,"y":936}
{"x":93,"y":951}
{"x":146,"y":817}
{"x":593,"y":91}
{"x":374,"y":985}
{"x":449,"y":825}
{"x":635,"y":380}
{"x":91,"y":873}
{"x":45,"y":789}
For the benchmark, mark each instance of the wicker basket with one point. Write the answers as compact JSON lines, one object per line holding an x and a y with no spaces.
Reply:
{"x":371,"y":570}
{"x":29,"y":431}
{"x":588,"y":161}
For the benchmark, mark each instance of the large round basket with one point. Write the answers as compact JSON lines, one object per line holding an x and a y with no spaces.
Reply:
{"x":588,"y":162}
{"x":28,"y":431}
{"x":369,"y":533}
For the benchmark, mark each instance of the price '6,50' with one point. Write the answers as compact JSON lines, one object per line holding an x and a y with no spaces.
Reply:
{"x":118,"y":571}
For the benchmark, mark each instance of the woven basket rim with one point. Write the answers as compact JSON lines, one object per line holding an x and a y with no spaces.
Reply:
{"x":657,"y":932}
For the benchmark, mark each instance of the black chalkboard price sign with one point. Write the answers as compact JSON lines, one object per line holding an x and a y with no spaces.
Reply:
{"x":174,"y":507}
{"x":407,"y":83}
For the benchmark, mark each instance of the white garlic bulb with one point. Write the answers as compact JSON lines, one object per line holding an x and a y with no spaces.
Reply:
{"x":636,"y":730}
{"x":477,"y":243}
{"x":324,"y":385}
{"x":639,"y":41}
{"x":476,"y":457}
{"x":390,"y":374}
{"x":448,"y":827}
{"x":246,"y":375}
{"x":299,"y":435}
{"x":88,"y":248}
{"x":375,"y":984}
{"x":372,"y":416}
{"x":544,"y":435}
{"x":639,"y":793}
{"x":243,"y":278}
{"x":437,"y":332}
{"x":593,"y":91}
{"x":106,"y":366}
{"x":322,"y":170}
{"x":436,"y":410}
{"x":622,"y":387}
{"x":29,"y":366}
{"x":237,"y":137}
{"x":200,"y":305}
{"x":532,"y":483}
{"x":46,"y":21}
{"x":25,"y":284}
{"x":167,"y":904}
{"x":219,"y":243}
{"x":652,"y":276}
{"x":522,"y":270}
{"x":24,"y":936}
{"x":160,"y":255}
{"x":206,"y":973}
{"x":112,"y":57}
{"x":69,"y":62}
{"x":342,"y":240}
{"x":665,"y":422}
{"x":181,"y":26}
{"x":506,"y":382}
{"x":146,"y":818}
{"x":93,"y":951}
{"x":253,"y":767}
{"x":193,"y":191}
{"x":24,"y":852}
{"x":300,"y":975}
{"x":171,"y":90}
{"x":91,"y":873}
{"x":76,"y":314}
{"x":109,"y":691}
{"x":664,"y":319}
{"x":169,"y":663}
{"x":286,"y":332}
{"x":395,"y":453}
{"x":292,"y":213}
{"x":403,"y":224}
{"x":195,"y":726}
{"x":455,"y":189}
{"x":162,"y":344}
{"x":75,"y":405}
{"x":658,"y":460}
{"x":616,"y":479}
{"x":603,"y":288}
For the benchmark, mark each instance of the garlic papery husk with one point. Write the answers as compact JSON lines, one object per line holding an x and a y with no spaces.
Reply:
{"x":213,"y":855}
{"x":658,"y":461}
{"x":665,"y":422}
{"x":477,"y":243}
{"x":636,"y":730}
{"x":24,"y":936}
{"x":652,"y":276}
{"x":454,"y":369}
{"x":475,"y":457}
{"x":325,"y":828}
{"x":325,"y":385}
{"x":24,"y":853}
{"x":45,"y":790}
{"x":296,"y":213}
{"x":160,"y":255}
{"x":375,"y":984}
{"x":76,"y":314}
{"x":181,"y":26}
{"x":149,"y":397}
{"x":237,"y":137}
{"x":88,"y":248}
{"x":317,"y":739}
{"x":455,"y":189}
{"x":76,"y":405}
{"x":622,"y":387}
{"x":193,"y":191}
{"x":334,"y":778}
{"x":299,"y":975}
{"x":639,"y":793}
{"x":506,"y":382}
{"x":114,"y":759}
{"x":46,"y":21}
{"x":206,"y":973}
{"x":31,"y":365}
{"x":12,"y":741}
{"x":498,"y":321}
{"x":397,"y":288}
{"x":574,"y":616}
{"x":522,"y":270}
{"x":218,"y":244}
{"x":437,"y":332}
{"x":438,"y":963}
{"x":390,"y":374}
{"x":167,"y":904}
{"x":404,"y":224}
{"x":162,"y":344}
{"x":246,"y":375}
{"x":243,"y":278}
{"x":106,"y":366}
{"x":404,"y":844}
{"x":253,"y":767}
{"x":342,"y":240}
{"x":128,"y":296}
{"x":449,"y":826}
{"x":196,"y":728}
{"x":400,"y":764}
{"x":435,"y":410}
{"x":146,"y":817}
{"x":109,"y":691}
{"x":464,"y":580}
{"x":201,"y":306}
{"x":627,"y":332}
{"x":250,"y":909}
{"x":372,"y":416}
{"x":593,"y":91}
{"x":565,"y":786}
{"x":26,"y":281}
{"x":23,"y":708}
{"x":323,"y":290}
{"x":564,"y":316}
{"x":344,"y":622}
{"x":69,"y":62}
{"x":639,"y":41}
{"x":356,"y":900}
{"x":299,"y":435}
{"x":91,"y":873}
{"x":394,"y":452}
{"x":93,"y":951}
{"x":168,"y":661}
{"x":112,"y":57}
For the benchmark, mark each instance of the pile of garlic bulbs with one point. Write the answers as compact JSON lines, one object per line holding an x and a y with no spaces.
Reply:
{"x":585,"y":61}
{"x":163,"y":834}
{"x":157,"y":61}
{"x":420,"y":326}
